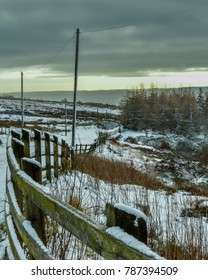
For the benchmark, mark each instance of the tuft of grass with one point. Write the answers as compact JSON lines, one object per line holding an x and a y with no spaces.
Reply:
{"x":76,"y":203}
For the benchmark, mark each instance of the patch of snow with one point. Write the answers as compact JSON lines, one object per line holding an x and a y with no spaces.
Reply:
{"x":132,"y":242}
{"x":33,"y":234}
{"x":29,"y":180}
{"x":3,"y":246}
{"x":139,"y":145}
{"x":15,"y":238}
{"x":12,"y":158}
{"x":129,"y":210}
{"x":84,"y":135}
{"x":18,"y":141}
{"x":33,"y":161}
{"x":13,"y":198}
{"x":3,"y":166}
{"x":204,"y":203}
{"x":9,"y":253}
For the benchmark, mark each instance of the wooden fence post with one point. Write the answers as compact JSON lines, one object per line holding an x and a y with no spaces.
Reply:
{"x":68,"y":157}
{"x":72,"y":156}
{"x":56,"y":159}
{"x":18,"y":149}
{"x":127,"y":219}
{"x":48,"y":156}
{"x":32,"y":212}
{"x":85,"y":149}
{"x":63,"y":155}
{"x":26,"y":140}
{"x":92,"y":147}
{"x":37,"y":140}
{"x":16,"y":134}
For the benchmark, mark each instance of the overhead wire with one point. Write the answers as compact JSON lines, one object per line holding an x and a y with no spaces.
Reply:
{"x":51,"y":59}
{"x":108,"y":28}
{"x":170,"y":14}
{"x":58,"y":52}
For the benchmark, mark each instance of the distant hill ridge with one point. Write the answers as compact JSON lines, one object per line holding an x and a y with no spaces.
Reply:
{"x":112,"y":96}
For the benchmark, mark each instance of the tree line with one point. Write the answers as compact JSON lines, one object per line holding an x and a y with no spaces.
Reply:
{"x":179,"y":111}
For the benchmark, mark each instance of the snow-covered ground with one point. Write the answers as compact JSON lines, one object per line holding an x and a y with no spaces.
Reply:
{"x":35,"y":110}
{"x":164,"y":210}
{"x":3,"y":166}
{"x":84,"y":135}
{"x":169,"y":213}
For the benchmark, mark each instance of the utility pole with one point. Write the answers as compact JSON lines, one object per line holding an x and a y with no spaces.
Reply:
{"x":22,"y":103}
{"x":65,"y":117}
{"x":75,"y":88}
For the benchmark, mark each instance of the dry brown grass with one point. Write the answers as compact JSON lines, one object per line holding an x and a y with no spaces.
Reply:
{"x":8,"y":123}
{"x":115,"y":172}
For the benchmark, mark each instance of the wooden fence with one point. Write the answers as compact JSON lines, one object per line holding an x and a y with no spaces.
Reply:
{"x":53,"y":154}
{"x":28,"y":204}
{"x":4,"y":130}
{"x":111,"y":133}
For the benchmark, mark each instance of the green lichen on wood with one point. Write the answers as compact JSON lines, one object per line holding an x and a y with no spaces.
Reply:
{"x":38,"y":252}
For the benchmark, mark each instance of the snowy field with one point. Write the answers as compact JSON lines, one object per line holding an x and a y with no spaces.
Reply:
{"x":35,"y":110}
{"x":3,"y":166}
{"x":170,"y":211}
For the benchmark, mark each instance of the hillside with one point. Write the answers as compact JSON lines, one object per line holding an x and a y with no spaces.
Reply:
{"x":154,"y":172}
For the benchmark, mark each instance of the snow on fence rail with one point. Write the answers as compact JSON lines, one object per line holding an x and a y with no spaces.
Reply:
{"x":53,"y":153}
{"x":111,"y":132}
{"x":28,"y":204}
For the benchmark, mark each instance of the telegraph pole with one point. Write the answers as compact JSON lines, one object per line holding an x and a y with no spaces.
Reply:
{"x":22,"y":103}
{"x":75,"y":88}
{"x":65,"y":117}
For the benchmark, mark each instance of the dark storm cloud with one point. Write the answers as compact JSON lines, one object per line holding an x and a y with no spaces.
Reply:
{"x":165,"y":34}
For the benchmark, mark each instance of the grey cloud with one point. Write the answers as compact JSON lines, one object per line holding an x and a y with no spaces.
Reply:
{"x":165,"y":35}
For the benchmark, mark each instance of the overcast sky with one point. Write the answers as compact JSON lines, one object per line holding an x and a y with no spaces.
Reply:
{"x":161,"y":41}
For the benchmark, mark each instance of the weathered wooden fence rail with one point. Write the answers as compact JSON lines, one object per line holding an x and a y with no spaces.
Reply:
{"x":28,"y":204}
{"x":53,"y":154}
